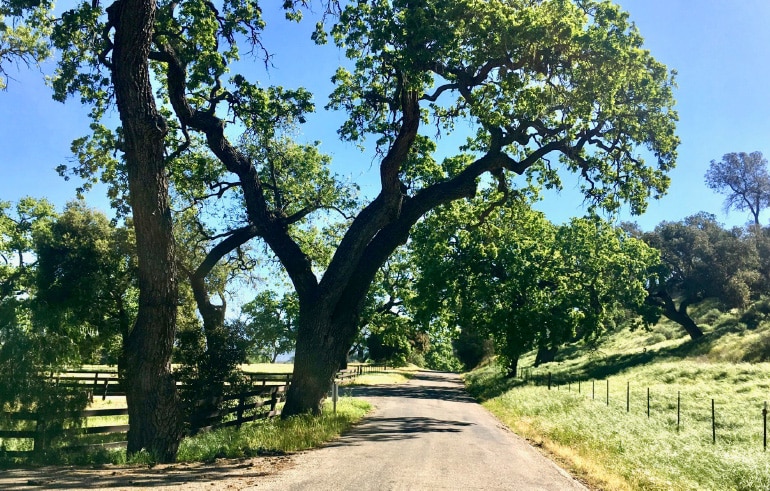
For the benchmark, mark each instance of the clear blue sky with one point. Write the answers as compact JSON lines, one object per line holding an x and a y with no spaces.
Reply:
{"x":720,"y":49}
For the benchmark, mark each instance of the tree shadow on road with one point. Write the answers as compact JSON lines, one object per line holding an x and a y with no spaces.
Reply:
{"x":177,"y":476}
{"x":393,"y":429}
{"x":446,"y":390}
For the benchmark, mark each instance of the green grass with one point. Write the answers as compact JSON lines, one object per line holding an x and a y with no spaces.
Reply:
{"x":615,"y":449}
{"x":262,"y":437}
{"x":274,"y":435}
{"x":391,"y":376}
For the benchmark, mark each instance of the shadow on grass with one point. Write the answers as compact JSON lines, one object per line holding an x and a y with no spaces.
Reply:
{"x":489,"y":384}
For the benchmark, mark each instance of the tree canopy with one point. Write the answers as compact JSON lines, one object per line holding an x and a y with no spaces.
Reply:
{"x":533,"y":87}
{"x":524,"y":281}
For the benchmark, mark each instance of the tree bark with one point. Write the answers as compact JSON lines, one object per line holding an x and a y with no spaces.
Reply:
{"x":322,"y":341}
{"x":154,"y":412}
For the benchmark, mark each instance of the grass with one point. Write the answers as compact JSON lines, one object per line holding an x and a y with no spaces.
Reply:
{"x":274,"y":436}
{"x":612,"y":448}
{"x":389,"y":377}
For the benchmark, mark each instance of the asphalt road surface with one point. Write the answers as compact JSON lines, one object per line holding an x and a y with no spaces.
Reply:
{"x":427,"y":434}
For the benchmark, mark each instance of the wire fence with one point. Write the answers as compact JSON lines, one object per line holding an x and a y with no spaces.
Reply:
{"x":654,"y":404}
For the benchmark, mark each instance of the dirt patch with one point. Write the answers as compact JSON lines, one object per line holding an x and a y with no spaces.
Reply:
{"x":222,"y":474}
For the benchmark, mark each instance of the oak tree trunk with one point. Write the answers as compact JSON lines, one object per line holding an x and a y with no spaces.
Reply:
{"x":680,"y":315}
{"x":322,"y":342}
{"x":153,"y":404}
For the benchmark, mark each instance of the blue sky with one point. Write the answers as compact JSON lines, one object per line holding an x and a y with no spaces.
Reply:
{"x":720,"y":49}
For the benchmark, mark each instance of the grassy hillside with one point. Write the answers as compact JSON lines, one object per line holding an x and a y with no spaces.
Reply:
{"x":616,"y":445}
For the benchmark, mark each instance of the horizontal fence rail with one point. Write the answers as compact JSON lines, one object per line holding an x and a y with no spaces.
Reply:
{"x":265,"y":392}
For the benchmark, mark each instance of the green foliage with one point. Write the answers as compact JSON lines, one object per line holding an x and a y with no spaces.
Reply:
{"x":86,"y":282}
{"x":512,"y":70}
{"x":523,"y":281}
{"x":30,"y":350}
{"x":24,"y":27}
{"x":270,"y":325}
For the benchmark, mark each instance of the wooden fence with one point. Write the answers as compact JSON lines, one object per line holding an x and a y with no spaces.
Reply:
{"x":354,"y":371}
{"x":261,"y":400}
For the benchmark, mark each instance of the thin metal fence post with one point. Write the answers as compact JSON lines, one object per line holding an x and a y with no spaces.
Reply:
{"x":678,"y":409}
{"x":764,"y":427}
{"x":608,"y":392}
{"x":549,"y":380}
{"x":628,"y":397}
{"x":713,"y":423}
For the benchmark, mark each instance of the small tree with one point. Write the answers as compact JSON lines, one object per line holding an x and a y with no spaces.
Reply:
{"x":744,"y":179}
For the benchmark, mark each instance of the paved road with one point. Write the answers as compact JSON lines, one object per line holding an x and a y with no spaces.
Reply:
{"x":425,"y":435}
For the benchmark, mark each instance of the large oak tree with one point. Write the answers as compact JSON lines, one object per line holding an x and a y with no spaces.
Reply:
{"x":533,"y":86}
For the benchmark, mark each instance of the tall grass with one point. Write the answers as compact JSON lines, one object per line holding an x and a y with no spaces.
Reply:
{"x":613,"y":448}
{"x":274,"y":435}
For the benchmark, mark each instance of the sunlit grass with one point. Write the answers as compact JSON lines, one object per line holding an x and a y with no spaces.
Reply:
{"x":391,"y":376}
{"x":617,"y":446}
{"x":275,"y":435}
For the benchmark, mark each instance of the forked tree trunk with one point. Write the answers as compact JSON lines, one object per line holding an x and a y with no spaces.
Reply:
{"x":680,"y":315}
{"x":153,"y":405}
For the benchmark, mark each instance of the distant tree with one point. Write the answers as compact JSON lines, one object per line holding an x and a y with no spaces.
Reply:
{"x":523,"y":281}
{"x":270,"y":324}
{"x":744,"y":179}
{"x":700,"y":259}
{"x":30,"y":351}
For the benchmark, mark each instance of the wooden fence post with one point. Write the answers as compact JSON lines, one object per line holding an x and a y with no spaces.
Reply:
{"x":241,"y":403}
{"x":41,"y":436}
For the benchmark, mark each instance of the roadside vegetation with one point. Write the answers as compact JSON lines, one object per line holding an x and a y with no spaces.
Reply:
{"x":270,"y":436}
{"x":616,"y":445}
